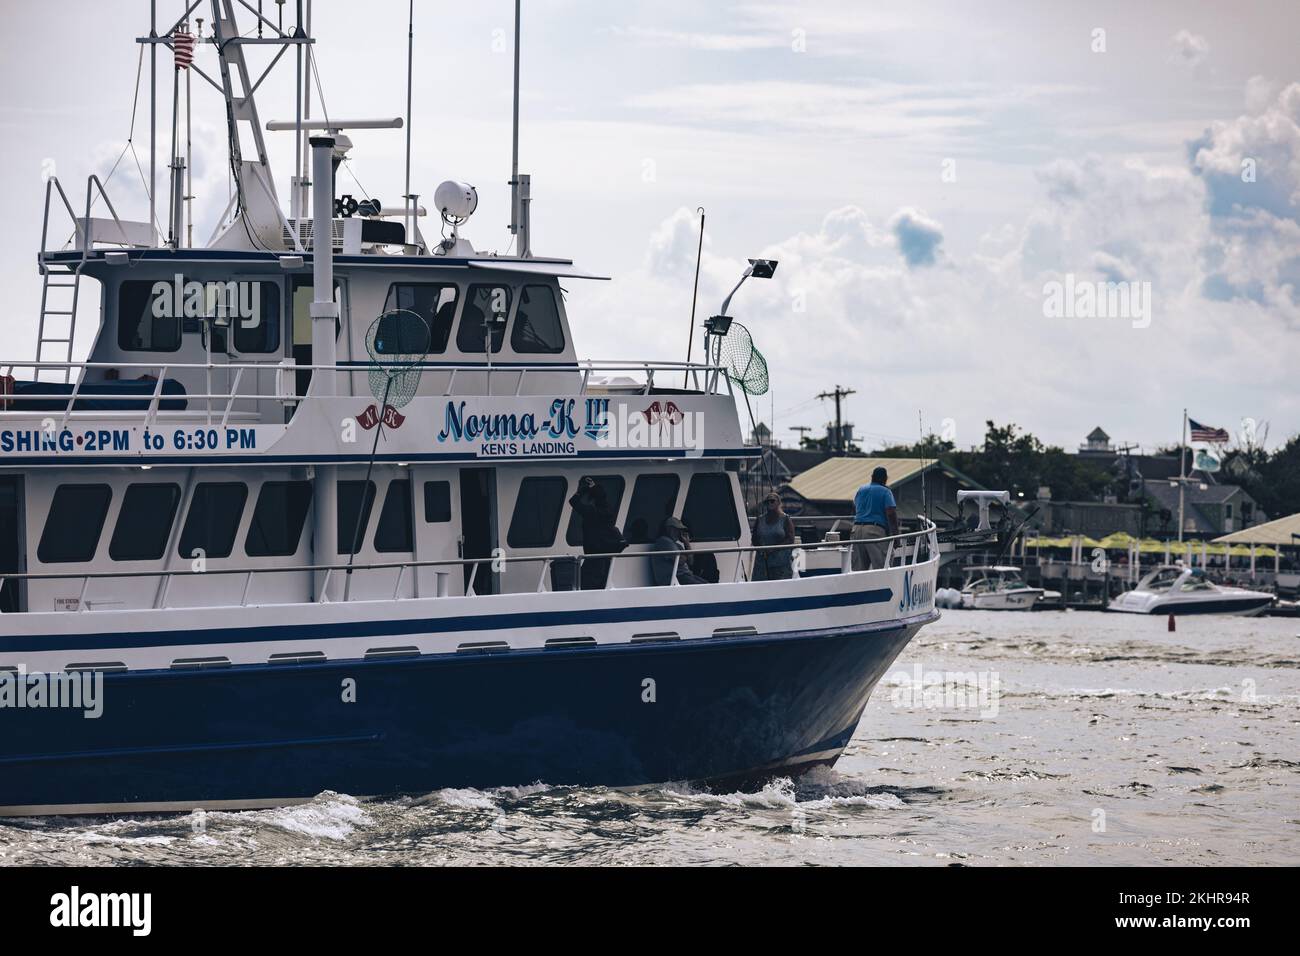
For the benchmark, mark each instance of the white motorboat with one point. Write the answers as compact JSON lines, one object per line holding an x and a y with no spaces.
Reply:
{"x":998,"y":588}
{"x":1174,"y":589}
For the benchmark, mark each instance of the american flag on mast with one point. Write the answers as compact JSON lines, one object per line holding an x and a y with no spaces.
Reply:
{"x":183,"y":49}
{"x":1207,"y":433}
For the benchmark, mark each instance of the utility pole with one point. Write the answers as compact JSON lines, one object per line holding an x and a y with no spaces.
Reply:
{"x":803,"y":431}
{"x":838,"y":394}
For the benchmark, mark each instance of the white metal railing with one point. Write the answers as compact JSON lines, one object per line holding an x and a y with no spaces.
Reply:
{"x":282,"y":391}
{"x":904,"y":550}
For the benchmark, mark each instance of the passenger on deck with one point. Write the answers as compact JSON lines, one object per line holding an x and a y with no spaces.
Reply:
{"x":668,"y":548}
{"x":876,"y":517}
{"x":773,"y":527}
{"x":599,"y":535}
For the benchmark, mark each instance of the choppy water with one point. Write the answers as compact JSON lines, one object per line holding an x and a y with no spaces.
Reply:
{"x":1108,"y":742}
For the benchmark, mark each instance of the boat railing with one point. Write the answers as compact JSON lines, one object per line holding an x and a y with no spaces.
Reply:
{"x":903,"y":550}
{"x":128,"y":233}
{"x":219,"y":405}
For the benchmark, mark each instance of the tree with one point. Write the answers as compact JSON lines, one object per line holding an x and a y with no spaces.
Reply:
{"x":1272,"y":480}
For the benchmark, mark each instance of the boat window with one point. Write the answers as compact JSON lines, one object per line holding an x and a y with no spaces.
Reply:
{"x":485,"y":304}
{"x":537,"y":322}
{"x":710,"y":509}
{"x":278,"y":519}
{"x":139,"y":328}
{"x":654,"y":498}
{"x":437,"y":501}
{"x":433,"y":302}
{"x":144,"y":522}
{"x":537,"y":512}
{"x":613,"y":488}
{"x":76,"y":519}
{"x":353,"y":512}
{"x":260,"y":332}
{"x":213,"y":519}
{"x":394,"y":532}
{"x":303,"y":293}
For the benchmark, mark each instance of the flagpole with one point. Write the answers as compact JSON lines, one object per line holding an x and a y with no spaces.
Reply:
{"x":1182,"y":474}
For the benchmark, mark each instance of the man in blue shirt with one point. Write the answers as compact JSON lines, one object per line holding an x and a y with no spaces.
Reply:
{"x":875,"y":516}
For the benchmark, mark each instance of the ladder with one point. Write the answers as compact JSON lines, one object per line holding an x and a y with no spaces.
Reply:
{"x":60,"y":292}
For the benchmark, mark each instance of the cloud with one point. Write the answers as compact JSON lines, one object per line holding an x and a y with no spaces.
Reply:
{"x":1190,"y":48}
{"x":918,"y":236}
{"x":1250,"y":170}
{"x":713,"y":42}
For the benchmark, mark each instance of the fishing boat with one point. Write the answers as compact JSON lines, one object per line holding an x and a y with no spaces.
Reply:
{"x":305,"y":517}
{"x":1175,"y":589}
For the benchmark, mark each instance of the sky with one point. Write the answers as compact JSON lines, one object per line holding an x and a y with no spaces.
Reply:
{"x":933,"y":178}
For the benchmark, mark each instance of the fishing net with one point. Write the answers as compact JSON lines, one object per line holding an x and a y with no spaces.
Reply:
{"x":398,"y":342}
{"x":745,"y":364}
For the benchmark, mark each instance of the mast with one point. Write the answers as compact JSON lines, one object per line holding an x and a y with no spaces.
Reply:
{"x":1182,"y":476}
{"x":519,"y":185}
{"x":410,"y":73}
{"x":153,"y":115}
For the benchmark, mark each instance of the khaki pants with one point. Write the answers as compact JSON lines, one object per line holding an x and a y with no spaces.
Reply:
{"x":868,"y":556}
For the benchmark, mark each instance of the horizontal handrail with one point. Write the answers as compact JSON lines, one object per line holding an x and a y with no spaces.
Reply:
{"x":460,"y":562}
{"x":355,"y":367}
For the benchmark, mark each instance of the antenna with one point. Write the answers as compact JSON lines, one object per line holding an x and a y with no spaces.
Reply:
{"x":410,"y":68}
{"x":519,"y":185}
{"x":690,"y":338}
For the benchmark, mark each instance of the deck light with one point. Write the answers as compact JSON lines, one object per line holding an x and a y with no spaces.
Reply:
{"x":117,"y":258}
{"x":291,"y":262}
{"x":759,"y":269}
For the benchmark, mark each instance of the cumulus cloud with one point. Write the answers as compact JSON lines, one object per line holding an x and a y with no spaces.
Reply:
{"x":972,"y":341}
{"x":1250,"y":170}
{"x":1190,"y":48}
{"x":918,"y":236}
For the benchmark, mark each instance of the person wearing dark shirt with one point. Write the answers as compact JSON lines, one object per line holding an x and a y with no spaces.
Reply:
{"x":599,"y":534}
{"x":669,"y":549}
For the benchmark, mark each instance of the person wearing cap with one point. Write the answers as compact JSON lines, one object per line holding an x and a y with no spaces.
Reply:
{"x":876,"y":516}
{"x":669,"y":549}
{"x":773,"y":527}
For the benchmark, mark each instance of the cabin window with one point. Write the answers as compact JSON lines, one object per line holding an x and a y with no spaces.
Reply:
{"x":278,"y":519}
{"x":613,"y":488}
{"x":437,"y":501}
{"x":138,"y":328}
{"x":144,"y":522}
{"x":486,"y":306}
{"x":654,"y":498}
{"x":537,"y":512}
{"x":394,"y":532}
{"x":260,"y":333}
{"x":75,"y":521}
{"x":213,"y":520}
{"x":352,"y":512}
{"x":434,"y":303}
{"x":710,"y":509}
{"x":537,"y":322}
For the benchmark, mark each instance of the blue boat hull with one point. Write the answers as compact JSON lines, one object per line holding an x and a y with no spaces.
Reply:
{"x":711,"y":710}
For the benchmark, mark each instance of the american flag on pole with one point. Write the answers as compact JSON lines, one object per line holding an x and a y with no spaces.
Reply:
{"x":183,"y":48}
{"x":1207,"y":433}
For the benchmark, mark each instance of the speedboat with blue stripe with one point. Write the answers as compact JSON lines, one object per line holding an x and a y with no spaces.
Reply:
{"x":308,"y":514}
